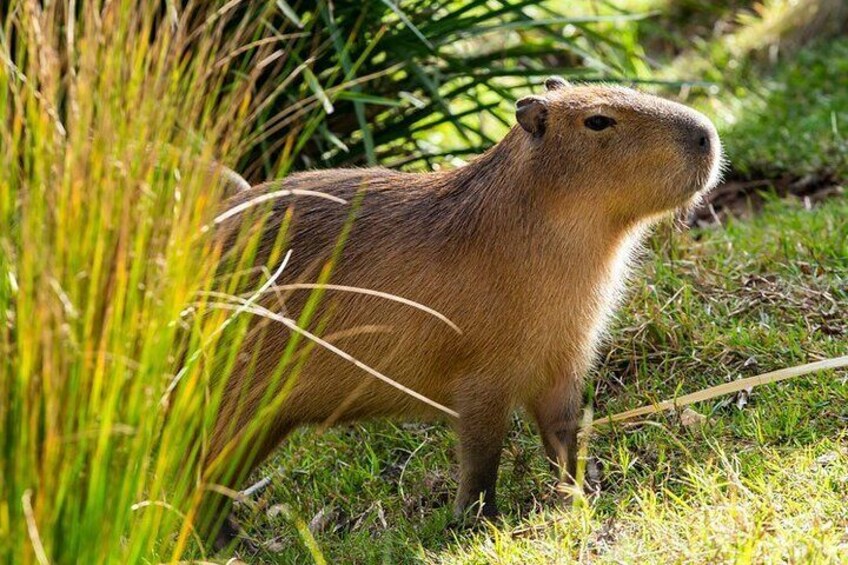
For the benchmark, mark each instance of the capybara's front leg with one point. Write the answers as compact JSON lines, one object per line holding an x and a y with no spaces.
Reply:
{"x":482,"y":426}
{"x":557,"y":413}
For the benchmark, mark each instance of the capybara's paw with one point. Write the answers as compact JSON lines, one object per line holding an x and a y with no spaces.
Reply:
{"x":474,"y":516}
{"x":564,"y":492}
{"x":230,"y":537}
{"x":227,"y":535}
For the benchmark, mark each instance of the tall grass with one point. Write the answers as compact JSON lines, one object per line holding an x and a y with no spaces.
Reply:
{"x":109,"y":129}
{"x":110,"y":117}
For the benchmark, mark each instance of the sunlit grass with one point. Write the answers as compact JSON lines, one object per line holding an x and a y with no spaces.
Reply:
{"x":787,"y":508}
{"x":794,"y":121}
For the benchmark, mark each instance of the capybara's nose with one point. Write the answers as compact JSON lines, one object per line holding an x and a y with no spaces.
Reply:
{"x":700,"y":139}
{"x":696,"y":133}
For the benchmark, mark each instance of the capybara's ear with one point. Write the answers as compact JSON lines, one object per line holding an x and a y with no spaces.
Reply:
{"x":532,"y":114}
{"x":556,"y":83}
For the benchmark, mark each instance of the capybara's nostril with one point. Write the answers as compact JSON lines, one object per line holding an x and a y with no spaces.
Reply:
{"x":700,"y":139}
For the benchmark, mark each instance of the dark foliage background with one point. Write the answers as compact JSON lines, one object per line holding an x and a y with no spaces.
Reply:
{"x":354,"y":83}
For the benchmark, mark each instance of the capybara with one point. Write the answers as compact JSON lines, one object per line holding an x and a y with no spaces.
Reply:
{"x":526,"y":249}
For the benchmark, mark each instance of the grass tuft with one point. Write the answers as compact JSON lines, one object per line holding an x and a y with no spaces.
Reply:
{"x":107,"y":147}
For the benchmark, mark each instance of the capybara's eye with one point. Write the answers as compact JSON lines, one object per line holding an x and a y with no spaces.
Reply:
{"x":598,"y":123}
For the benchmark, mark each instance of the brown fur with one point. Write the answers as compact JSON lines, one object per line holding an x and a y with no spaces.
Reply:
{"x":524,"y":248}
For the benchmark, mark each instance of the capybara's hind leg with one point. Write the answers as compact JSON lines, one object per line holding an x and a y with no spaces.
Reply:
{"x":232,"y":458}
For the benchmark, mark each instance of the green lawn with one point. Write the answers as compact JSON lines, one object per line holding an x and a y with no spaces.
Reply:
{"x":793,"y":120}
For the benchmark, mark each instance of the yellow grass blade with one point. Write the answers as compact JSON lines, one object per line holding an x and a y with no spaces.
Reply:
{"x":235,"y":210}
{"x":343,"y":288}
{"x":289,"y":323}
{"x":370,"y":292}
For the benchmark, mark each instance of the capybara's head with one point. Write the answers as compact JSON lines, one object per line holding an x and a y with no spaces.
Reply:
{"x":621,"y":152}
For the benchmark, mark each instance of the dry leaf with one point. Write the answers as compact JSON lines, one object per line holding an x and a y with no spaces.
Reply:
{"x":594,"y":475}
{"x":274,"y":546}
{"x":691,"y":419}
{"x":319,"y":522}
{"x":826,"y":460}
{"x":277,"y":510}
{"x":742,"y":397}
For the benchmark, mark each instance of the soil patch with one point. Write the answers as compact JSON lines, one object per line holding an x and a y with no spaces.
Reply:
{"x":742,"y":198}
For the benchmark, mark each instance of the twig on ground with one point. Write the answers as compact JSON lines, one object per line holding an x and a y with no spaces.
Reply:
{"x":256,"y":487}
{"x":726,"y":388}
